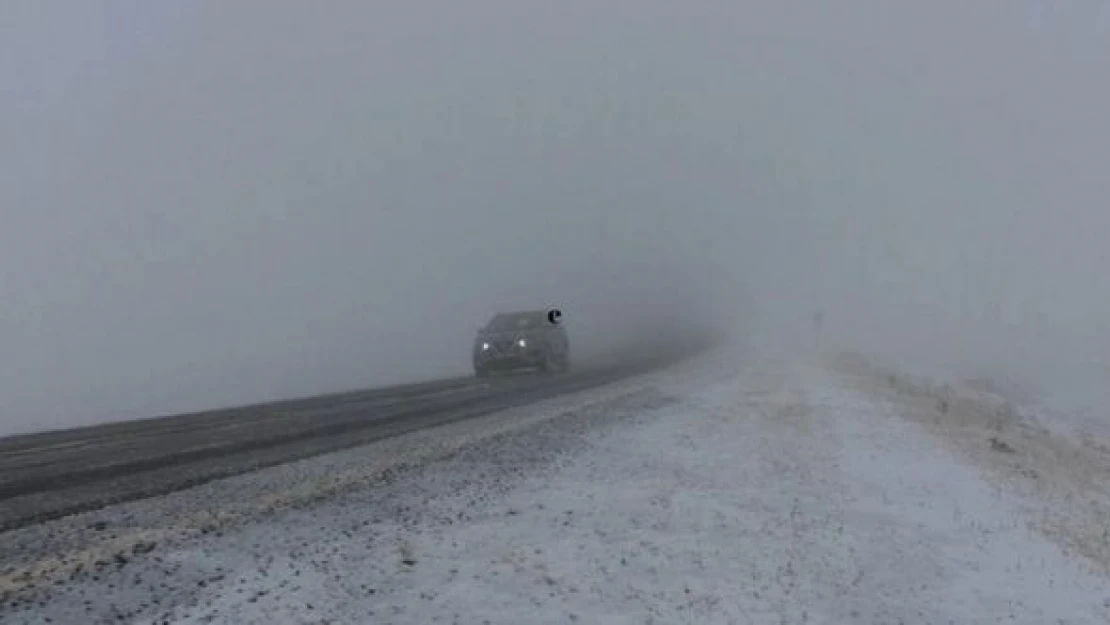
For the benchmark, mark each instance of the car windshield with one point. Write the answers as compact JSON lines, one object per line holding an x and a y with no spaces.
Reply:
{"x":516,"y":321}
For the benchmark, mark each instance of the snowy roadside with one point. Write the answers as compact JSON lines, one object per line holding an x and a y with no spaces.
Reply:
{"x":785,"y":494}
{"x":1059,"y":466}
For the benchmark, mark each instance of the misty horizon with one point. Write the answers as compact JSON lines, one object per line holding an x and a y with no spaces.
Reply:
{"x":210,"y":204}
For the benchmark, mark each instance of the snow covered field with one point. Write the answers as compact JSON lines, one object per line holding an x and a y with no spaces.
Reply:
{"x":782,"y":492}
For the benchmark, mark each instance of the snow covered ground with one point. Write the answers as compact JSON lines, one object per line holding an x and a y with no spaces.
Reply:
{"x":783,"y":492}
{"x":1057,"y":463}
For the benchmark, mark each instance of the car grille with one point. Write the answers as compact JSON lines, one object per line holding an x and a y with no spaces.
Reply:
{"x":501,"y":346}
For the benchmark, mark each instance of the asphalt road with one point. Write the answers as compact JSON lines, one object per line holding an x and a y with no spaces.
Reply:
{"x":54,"y":474}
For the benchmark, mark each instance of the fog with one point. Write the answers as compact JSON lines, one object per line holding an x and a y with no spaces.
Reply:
{"x":212,"y":203}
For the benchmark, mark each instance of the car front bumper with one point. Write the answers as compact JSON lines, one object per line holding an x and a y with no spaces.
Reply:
{"x":508,"y":359}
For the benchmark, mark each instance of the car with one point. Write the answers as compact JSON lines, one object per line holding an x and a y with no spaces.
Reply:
{"x":531,"y":339}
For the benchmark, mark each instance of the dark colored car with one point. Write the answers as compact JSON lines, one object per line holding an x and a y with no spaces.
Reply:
{"x":528,"y":339}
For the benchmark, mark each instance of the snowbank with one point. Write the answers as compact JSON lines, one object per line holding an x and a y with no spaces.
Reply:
{"x":1057,"y":464}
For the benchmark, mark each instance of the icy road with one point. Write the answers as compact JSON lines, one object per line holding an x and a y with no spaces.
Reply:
{"x":778,"y":492}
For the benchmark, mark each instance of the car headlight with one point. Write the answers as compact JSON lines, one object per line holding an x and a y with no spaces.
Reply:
{"x":485,"y":346}
{"x":522,"y":343}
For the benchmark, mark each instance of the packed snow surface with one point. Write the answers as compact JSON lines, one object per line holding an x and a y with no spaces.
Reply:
{"x":784,"y":492}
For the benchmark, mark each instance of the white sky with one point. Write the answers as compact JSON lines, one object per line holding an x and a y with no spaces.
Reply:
{"x":205,"y":203}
